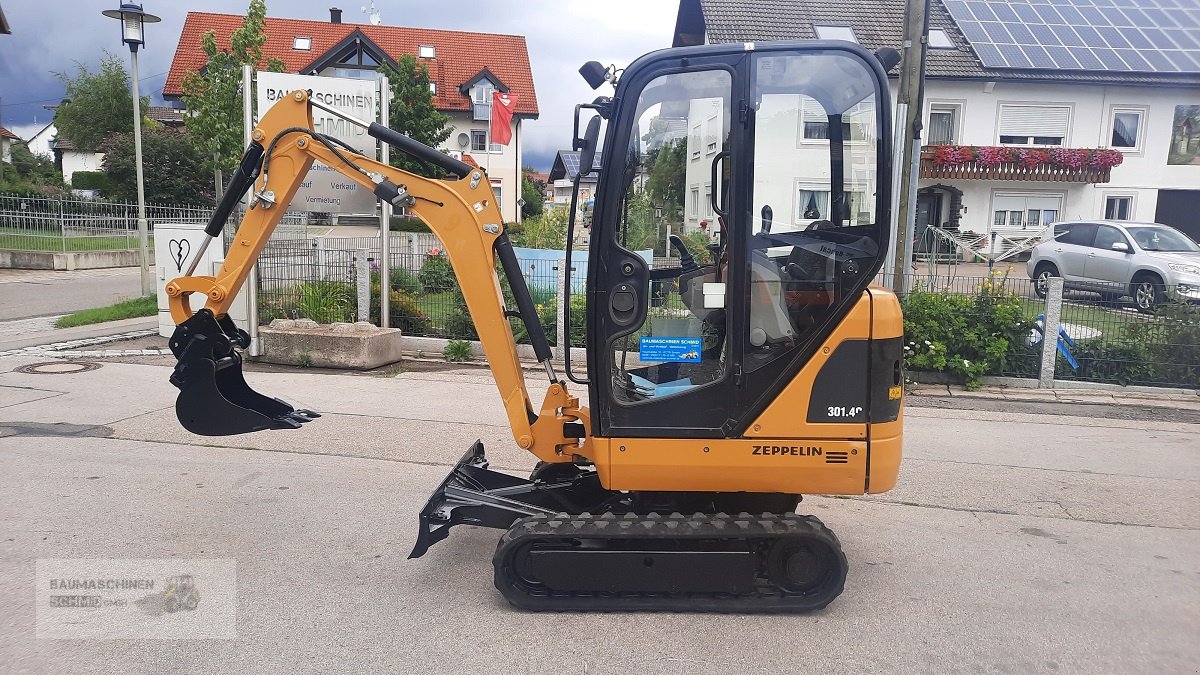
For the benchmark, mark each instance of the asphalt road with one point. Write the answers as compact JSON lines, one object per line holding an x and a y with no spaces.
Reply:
{"x":1014,"y":543}
{"x":30,"y":293}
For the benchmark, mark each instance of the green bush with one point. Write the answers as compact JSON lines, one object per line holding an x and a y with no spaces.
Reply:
{"x":458,"y":320}
{"x":403,"y":312}
{"x":437,"y":275}
{"x":326,"y":301}
{"x":1100,"y":361}
{"x":402,"y":280}
{"x":407,"y":224}
{"x":967,"y":335}
{"x":91,"y":180}
{"x":457,"y":351}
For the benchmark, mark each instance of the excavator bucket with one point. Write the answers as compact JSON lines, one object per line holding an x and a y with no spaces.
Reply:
{"x":214,"y":398}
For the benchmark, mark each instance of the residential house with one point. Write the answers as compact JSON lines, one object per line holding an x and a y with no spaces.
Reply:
{"x":561,"y":180}
{"x":7,"y":138}
{"x":39,"y":143}
{"x":1022,"y":75}
{"x":465,"y":69}
{"x":70,"y":159}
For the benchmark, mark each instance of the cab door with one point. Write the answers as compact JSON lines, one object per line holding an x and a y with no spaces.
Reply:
{"x":768,"y":162}
{"x":665,"y":368}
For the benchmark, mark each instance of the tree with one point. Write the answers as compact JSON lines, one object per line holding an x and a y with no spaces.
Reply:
{"x":174,"y":169}
{"x":533,"y":196}
{"x":214,"y":96}
{"x":97,"y":104}
{"x":35,"y":169}
{"x":412,"y":113}
{"x":668,"y":177}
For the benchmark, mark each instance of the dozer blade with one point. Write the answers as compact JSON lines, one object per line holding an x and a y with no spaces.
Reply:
{"x":214,"y":399}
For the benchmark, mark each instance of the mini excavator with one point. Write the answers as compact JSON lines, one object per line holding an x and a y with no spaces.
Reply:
{"x":764,"y":367}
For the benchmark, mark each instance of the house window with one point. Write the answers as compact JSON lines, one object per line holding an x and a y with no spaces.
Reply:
{"x":1024,"y":212}
{"x":1034,"y":124}
{"x":302,"y":43}
{"x":433,"y":88}
{"x":710,"y":135}
{"x":481,"y":96}
{"x":943,"y":125}
{"x":814,"y":123}
{"x":939,"y":39}
{"x":498,"y":190}
{"x":825,"y":32}
{"x":479,"y":142}
{"x":1126,"y":129}
{"x":1118,"y":208}
{"x":708,"y":200}
{"x":695,"y":210}
{"x":694,"y":142}
{"x":426,"y":51}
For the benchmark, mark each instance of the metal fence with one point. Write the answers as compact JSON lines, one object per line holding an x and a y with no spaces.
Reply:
{"x":69,"y":225}
{"x":997,"y":324}
{"x":314,"y":277}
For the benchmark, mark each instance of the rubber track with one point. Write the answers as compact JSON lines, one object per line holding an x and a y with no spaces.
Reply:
{"x":762,"y":528}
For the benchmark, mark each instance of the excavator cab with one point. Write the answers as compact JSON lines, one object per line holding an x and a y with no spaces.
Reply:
{"x":774,"y":158}
{"x":763,"y":367}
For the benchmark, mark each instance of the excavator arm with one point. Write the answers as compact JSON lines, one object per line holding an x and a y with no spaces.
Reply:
{"x":215,"y":398}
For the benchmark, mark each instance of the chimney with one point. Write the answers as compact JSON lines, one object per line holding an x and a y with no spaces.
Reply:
{"x":335,"y":15}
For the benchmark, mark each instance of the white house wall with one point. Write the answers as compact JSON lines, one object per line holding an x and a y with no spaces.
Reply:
{"x":504,"y":165}
{"x":73,"y":161}
{"x":1141,"y":175}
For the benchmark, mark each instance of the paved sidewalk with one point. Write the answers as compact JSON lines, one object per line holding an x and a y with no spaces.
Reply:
{"x":39,"y":335}
{"x":1135,"y":396}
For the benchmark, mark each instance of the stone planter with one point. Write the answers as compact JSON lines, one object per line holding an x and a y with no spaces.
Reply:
{"x":356,"y":346}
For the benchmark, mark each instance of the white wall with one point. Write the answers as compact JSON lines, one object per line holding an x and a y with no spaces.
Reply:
{"x":40,"y":143}
{"x":6,"y":150}
{"x":504,"y":165}
{"x":1143,"y":172}
{"x":73,"y":161}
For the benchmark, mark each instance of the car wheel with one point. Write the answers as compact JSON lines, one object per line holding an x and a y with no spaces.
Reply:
{"x":1148,"y":293}
{"x":1041,"y":279}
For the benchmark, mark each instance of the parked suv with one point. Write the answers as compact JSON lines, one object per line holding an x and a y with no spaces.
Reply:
{"x":1117,"y":258}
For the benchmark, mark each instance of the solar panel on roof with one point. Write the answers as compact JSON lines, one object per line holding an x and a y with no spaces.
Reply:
{"x":1118,"y":35}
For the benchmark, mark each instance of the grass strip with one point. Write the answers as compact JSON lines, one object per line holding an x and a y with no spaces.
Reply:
{"x":126,"y":309}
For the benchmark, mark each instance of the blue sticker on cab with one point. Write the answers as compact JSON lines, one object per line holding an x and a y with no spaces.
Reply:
{"x":677,"y":349}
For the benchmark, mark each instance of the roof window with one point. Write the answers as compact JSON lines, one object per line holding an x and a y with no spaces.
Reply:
{"x":302,"y":43}
{"x":825,"y":32}
{"x":939,"y":39}
{"x":426,"y":51}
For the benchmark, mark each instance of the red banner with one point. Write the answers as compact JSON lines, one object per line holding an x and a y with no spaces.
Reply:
{"x":503,"y":106}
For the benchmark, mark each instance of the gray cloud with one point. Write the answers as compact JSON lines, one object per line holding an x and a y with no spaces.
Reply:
{"x":51,"y":35}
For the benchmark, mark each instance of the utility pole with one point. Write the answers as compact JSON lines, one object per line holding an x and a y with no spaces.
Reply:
{"x":910,"y":103}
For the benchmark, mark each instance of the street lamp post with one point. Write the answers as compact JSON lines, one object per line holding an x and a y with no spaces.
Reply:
{"x":132,"y":18}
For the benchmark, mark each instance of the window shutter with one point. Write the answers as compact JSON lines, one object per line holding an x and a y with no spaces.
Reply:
{"x":1034,"y":120}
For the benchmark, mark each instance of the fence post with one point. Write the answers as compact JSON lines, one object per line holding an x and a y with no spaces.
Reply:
{"x":560,"y":324}
{"x":362,"y":278}
{"x":1051,"y":321}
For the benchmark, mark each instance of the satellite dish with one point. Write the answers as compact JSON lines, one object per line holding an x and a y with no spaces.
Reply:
{"x":463,"y":140}
{"x":375,"y":18}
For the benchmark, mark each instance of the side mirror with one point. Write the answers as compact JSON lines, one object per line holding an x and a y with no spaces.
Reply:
{"x":587,"y":153}
{"x":1120,"y":246}
{"x":594,"y":74}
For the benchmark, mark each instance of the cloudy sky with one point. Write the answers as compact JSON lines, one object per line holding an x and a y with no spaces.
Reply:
{"x":51,"y":35}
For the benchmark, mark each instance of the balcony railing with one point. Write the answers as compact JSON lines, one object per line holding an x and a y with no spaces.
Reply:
{"x":1064,"y":165}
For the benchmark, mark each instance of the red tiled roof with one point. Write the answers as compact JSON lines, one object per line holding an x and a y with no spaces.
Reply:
{"x":5,"y":133}
{"x":168,"y":116}
{"x":460,"y":55}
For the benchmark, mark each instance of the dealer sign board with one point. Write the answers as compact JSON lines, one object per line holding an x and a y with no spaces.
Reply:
{"x":326,"y":190}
